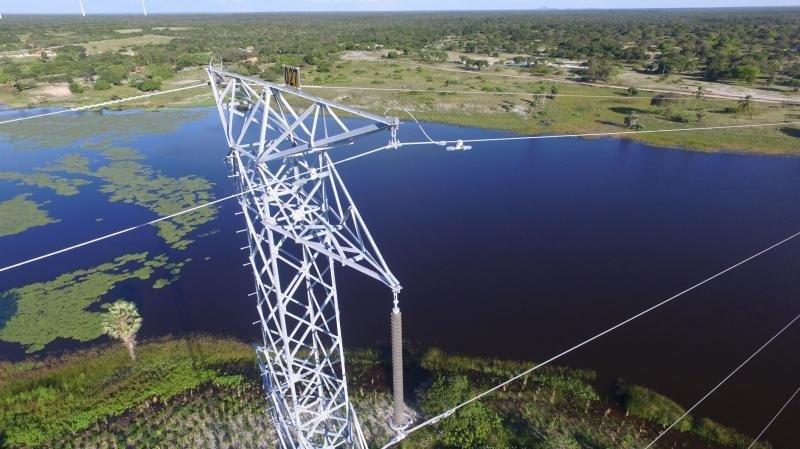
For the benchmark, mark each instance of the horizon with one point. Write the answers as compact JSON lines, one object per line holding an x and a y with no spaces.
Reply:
{"x":161,"y":7}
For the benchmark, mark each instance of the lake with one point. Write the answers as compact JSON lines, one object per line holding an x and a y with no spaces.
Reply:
{"x":514,"y":249}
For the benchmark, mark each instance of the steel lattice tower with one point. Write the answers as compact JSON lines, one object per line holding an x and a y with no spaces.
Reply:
{"x":301,"y":223}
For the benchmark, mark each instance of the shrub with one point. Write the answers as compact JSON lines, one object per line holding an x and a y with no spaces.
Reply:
{"x":75,"y":88}
{"x":102,"y":84}
{"x":149,"y":84}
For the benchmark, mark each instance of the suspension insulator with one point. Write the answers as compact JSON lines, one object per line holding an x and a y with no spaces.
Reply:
{"x":399,"y":416}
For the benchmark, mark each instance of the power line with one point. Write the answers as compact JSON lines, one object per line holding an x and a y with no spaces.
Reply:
{"x":176,"y":214}
{"x":732,"y":373}
{"x":449,"y":412}
{"x":471,"y":92}
{"x":789,"y":401}
{"x":430,"y":142}
{"x":609,"y":134}
{"x":99,"y":105}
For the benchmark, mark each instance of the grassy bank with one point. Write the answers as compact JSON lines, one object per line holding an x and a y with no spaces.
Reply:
{"x":485,"y":99}
{"x":204,"y":392}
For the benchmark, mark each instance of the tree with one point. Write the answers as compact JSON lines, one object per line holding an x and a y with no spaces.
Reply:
{"x":701,"y":114}
{"x":633,"y":91}
{"x":553,"y":91}
{"x":746,"y":106}
{"x":632,"y":120}
{"x":700,"y":93}
{"x":749,"y":74}
{"x":601,"y":70}
{"x":122,"y":322}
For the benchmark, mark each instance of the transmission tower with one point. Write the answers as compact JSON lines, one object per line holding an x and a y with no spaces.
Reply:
{"x":301,"y":223}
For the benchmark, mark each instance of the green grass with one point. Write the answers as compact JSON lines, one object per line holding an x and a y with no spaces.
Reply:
{"x":647,"y":404}
{"x":108,"y":45}
{"x":651,"y":406}
{"x":20,"y":214}
{"x":50,"y":400}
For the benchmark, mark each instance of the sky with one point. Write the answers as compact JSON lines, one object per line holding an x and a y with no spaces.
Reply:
{"x":178,"y":6}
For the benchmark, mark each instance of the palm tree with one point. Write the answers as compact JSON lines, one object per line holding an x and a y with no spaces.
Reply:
{"x":122,"y":321}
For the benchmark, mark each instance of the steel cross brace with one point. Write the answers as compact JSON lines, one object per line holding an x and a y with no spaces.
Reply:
{"x":301,"y":222}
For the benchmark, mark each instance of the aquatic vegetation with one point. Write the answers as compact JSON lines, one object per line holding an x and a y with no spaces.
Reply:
{"x":20,"y":214}
{"x":122,"y":154}
{"x":60,"y":308}
{"x":62,"y":186}
{"x":72,"y":163}
{"x":132,"y":182}
{"x":128,"y":181}
{"x":93,"y":129}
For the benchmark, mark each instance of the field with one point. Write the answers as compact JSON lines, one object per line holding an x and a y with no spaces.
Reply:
{"x":110,"y":45}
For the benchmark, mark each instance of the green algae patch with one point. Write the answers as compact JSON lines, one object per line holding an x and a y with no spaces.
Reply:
{"x":38,"y":313}
{"x":20,"y":214}
{"x":73,"y":163}
{"x":62,"y":186}
{"x":128,"y":181}
{"x":132,"y":182}
{"x":93,"y":129}
{"x":122,"y":154}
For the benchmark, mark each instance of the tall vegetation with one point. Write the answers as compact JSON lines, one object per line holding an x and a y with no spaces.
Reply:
{"x":122,"y":322}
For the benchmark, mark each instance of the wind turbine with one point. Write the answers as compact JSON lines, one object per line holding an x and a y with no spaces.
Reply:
{"x":83,"y":11}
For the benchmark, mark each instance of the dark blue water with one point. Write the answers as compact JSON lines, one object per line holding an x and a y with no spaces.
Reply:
{"x":515,"y":249}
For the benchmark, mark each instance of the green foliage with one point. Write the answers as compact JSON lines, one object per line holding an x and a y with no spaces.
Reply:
{"x":53,"y":399}
{"x":122,"y":321}
{"x":647,"y":404}
{"x":148,"y":84}
{"x":159,"y":71}
{"x":473,"y":427}
{"x":444,"y":393}
{"x":75,"y":88}
{"x":601,"y":70}
{"x":20,"y":214}
{"x":718,"y":434}
{"x":102,"y":84}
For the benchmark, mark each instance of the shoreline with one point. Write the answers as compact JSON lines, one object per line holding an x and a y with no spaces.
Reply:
{"x":220,"y":365}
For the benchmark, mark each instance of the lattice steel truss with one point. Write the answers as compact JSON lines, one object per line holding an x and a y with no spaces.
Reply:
{"x":301,"y":222}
